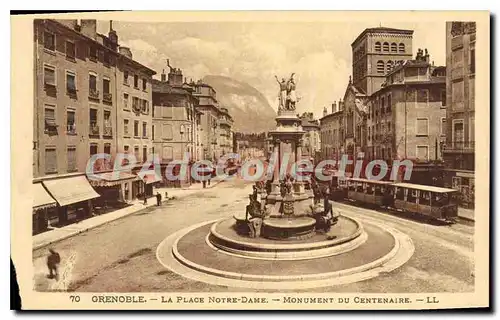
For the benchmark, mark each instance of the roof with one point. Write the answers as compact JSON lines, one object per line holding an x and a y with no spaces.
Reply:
{"x":164,"y":87}
{"x":423,"y":187}
{"x":381,"y":30}
{"x":338,"y":113}
{"x":121,"y":56}
{"x":370,"y":181}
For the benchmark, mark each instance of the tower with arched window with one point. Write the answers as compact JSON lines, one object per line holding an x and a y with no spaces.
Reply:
{"x":375,"y":52}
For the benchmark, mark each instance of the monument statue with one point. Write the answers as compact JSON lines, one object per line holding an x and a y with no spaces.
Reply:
{"x":287,"y":95}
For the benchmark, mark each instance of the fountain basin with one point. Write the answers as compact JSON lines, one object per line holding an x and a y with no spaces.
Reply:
{"x":288,"y":228}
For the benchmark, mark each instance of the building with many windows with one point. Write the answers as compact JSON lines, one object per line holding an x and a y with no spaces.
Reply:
{"x":332,"y":132}
{"x":75,"y":118}
{"x":375,"y":52}
{"x":459,"y":148}
{"x":175,"y":121}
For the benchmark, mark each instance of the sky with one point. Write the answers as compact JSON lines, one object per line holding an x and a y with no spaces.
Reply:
{"x":318,"y":53}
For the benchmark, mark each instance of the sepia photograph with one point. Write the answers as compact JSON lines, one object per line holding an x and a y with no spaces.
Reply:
{"x":305,"y":160}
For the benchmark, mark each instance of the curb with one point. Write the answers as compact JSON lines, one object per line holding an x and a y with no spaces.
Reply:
{"x":466,"y":218}
{"x":74,"y":233}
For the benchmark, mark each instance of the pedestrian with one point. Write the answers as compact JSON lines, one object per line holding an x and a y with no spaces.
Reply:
{"x":53,"y":261}
{"x":145,"y":199}
{"x":158,"y":199}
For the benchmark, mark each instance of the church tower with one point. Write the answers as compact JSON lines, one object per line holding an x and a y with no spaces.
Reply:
{"x":375,"y":52}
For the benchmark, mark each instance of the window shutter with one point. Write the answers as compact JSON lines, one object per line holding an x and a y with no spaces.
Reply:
{"x":71,"y":159}
{"x":50,"y":161}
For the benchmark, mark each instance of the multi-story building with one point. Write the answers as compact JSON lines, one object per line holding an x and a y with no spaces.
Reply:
{"x":406,"y":117}
{"x":76,"y":117}
{"x":225,"y":132}
{"x":374,"y":52}
{"x":175,"y":120}
{"x":332,"y":132}
{"x":209,"y":107}
{"x":458,"y":150}
{"x":354,"y":108}
{"x":311,"y":145}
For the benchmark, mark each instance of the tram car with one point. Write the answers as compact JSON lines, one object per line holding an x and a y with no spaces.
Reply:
{"x":432,"y":202}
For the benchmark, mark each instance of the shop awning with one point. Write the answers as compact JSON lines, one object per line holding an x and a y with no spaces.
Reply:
{"x":41,"y":199}
{"x":107,"y":179}
{"x":151,"y":178}
{"x":70,"y":190}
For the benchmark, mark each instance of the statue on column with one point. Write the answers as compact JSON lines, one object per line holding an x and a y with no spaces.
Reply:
{"x":282,"y":94}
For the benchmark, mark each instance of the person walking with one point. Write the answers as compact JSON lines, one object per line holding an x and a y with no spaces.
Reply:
{"x":158,"y":199}
{"x":145,"y":199}
{"x":53,"y":261}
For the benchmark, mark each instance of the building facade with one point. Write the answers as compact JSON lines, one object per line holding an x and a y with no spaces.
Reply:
{"x":175,"y":121}
{"x":225,"y":142}
{"x":459,"y":148}
{"x":76,"y":116}
{"x":311,"y":145}
{"x":375,"y":52}
{"x":332,"y":132}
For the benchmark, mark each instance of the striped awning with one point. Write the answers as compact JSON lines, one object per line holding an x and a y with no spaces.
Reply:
{"x":41,"y":199}
{"x":108,"y":179}
{"x":70,"y":190}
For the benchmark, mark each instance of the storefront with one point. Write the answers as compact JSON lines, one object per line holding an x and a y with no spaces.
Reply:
{"x":44,"y":206}
{"x":113,"y":188}
{"x":74,"y":197}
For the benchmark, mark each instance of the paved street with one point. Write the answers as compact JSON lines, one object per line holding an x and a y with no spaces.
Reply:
{"x":120,"y":256}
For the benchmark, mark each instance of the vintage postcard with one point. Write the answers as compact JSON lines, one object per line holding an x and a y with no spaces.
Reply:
{"x":244,"y":160}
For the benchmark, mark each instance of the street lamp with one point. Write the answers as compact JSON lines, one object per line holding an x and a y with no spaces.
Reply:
{"x":182,"y":129}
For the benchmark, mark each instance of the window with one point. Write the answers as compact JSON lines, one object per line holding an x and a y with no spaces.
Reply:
{"x":135,"y":104}
{"x":125,"y":101}
{"x":70,"y":82}
{"x":380,"y":66}
{"x":125,"y":127}
{"x":107,"y":59}
{"x":153,"y":132}
{"x":401,"y":47}
{"x":50,"y":160}
{"x":71,"y":153}
{"x":94,"y":128}
{"x":412,"y":195}
{"x":144,"y":84}
{"x":136,"y":128}
{"x":93,"y":82}
{"x":70,"y":50}
{"x":386,"y":47}
{"x":93,"y":149}
{"x":443,"y":126}
{"x":472,"y":62}
{"x":136,"y":154}
{"x":144,"y":129}
{"x":105,"y":86}
{"x":125,"y":149}
{"x":423,"y":153}
{"x":390,"y":64}
{"x":107,"y":148}
{"x":394,"y":47}
{"x":144,"y":153}
{"x":93,"y":53}
{"x":168,"y":152}
{"x":389,"y":126}
{"x":389,"y":103}
{"x":49,"y":75}
{"x":70,"y":122}
{"x":125,"y":77}
{"x":107,"y":122}
{"x":423,"y":96}
{"x":458,"y":131}
{"x":49,"y":41}
{"x":50,"y":119}
{"x":377,"y":47}
{"x":167,"y":131}
{"x":136,"y":81}
{"x":422,"y":126}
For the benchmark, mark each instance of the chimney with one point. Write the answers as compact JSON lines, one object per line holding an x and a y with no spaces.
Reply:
{"x":88,"y":27}
{"x":325,"y":112}
{"x":341,"y":105}
{"x":334,"y":107}
{"x":113,"y":37}
{"x":163,"y":76}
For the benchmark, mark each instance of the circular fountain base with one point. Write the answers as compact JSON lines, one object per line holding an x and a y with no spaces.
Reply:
{"x":347,"y":235}
{"x":288,"y":228}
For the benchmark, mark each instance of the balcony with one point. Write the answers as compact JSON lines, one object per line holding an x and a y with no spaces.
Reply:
{"x":459,"y":147}
{"x":107,"y":97}
{"x":224,"y":122}
{"x":93,"y":130}
{"x":108,"y":131}
{"x":71,"y":129}
{"x":94,"y":94}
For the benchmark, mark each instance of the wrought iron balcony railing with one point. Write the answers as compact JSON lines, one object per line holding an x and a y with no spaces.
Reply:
{"x":108,"y":97}
{"x":93,"y":129}
{"x":459,"y":146}
{"x":108,"y":131}
{"x":94,"y":94}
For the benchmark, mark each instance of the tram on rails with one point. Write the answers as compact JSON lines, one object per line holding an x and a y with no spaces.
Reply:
{"x":432,"y":202}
